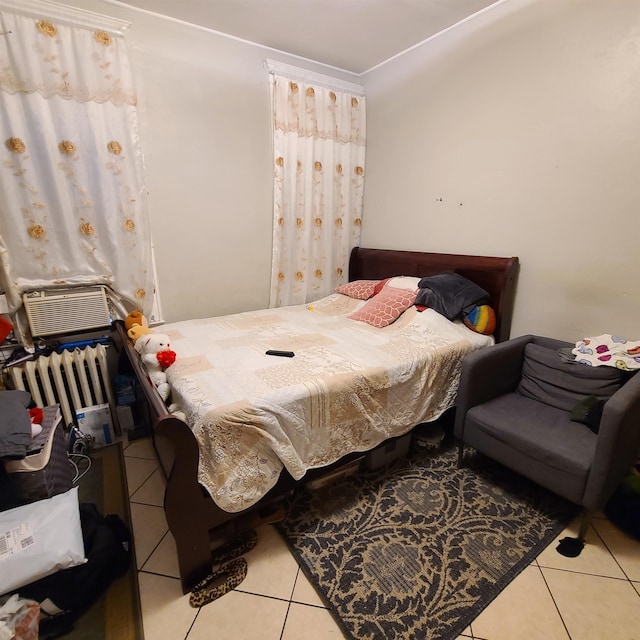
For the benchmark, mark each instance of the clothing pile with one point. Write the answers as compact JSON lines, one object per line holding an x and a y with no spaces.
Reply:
{"x":19,"y":423}
{"x":608,"y":350}
{"x":56,"y":554}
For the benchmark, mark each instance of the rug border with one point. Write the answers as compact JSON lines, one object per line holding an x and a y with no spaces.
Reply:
{"x":307,"y":571}
{"x":498,"y":587}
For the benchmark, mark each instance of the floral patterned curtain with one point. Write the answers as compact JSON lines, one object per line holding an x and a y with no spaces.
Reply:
{"x":72,"y":189}
{"x":319,"y":153}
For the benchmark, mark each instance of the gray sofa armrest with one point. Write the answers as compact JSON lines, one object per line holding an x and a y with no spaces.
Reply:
{"x":618,"y":443}
{"x":487,"y":374}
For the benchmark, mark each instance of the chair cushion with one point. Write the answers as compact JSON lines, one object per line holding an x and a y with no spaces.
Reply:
{"x":541,"y":432}
{"x":547,"y":378}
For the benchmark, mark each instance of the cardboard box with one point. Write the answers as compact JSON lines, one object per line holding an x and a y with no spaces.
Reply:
{"x":96,"y":422}
{"x":389,"y":452}
{"x":125,"y":418}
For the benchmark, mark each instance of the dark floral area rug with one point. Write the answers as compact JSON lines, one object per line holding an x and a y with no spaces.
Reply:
{"x":419,"y":548}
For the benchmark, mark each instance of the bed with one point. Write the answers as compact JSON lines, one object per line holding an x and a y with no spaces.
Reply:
{"x":264,"y":425}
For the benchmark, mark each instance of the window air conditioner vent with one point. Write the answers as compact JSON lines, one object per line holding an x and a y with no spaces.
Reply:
{"x":68,"y":311}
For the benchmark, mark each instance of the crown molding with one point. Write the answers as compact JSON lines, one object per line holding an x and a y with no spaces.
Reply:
{"x":304,"y":75}
{"x":66,"y":14}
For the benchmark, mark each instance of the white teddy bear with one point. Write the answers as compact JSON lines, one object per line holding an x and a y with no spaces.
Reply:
{"x":156,"y":354}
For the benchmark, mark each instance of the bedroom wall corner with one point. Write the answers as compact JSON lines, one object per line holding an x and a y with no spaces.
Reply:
{"x":518,"y":133}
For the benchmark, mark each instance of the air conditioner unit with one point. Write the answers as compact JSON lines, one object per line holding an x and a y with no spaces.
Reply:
{"x":66,"y":311}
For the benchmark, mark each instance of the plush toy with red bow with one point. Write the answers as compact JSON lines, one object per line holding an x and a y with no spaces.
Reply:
{"x":156,"y":354}
{"x":166,"y":358}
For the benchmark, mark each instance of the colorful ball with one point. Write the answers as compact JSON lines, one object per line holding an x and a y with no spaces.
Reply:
{"x":481,"y":319}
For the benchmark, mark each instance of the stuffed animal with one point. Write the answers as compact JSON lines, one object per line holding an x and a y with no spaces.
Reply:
{"x":36,"y":414}
{"x":176,"y":410}
{"x":137,"y":331}
{"x":136,"y":325}
{"x":135,"y":317}
{"x":155,"y":349}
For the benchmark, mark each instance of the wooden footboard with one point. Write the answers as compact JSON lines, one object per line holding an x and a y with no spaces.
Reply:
{"x":195,"y":521}
{"x":190,"y":512}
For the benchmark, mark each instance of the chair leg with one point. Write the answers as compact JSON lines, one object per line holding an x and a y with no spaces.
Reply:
{"x":572,"y":547}
{"x":584,"y":525}
{"x":460,"y":454}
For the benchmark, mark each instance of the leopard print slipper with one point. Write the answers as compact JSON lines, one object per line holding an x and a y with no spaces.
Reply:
{"x":236,"y":547}
{"x":218,"y":583}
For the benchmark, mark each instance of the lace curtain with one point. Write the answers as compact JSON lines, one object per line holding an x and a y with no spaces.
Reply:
{"x":72,"y":188}
{"x":319,"y":154}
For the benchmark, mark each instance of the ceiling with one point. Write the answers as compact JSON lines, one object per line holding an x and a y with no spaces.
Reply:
{"x":352,"y":35}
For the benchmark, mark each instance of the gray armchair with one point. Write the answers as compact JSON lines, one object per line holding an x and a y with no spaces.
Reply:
{"x":570,"y":427}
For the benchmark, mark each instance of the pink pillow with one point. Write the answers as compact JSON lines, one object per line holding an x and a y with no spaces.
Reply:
{"x":378,"y":288}
{"x":360,"y":289}
{"x":385,"y":307}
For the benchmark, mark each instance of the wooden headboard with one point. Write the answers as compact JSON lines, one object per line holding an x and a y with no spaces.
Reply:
{"x":497,"y":276}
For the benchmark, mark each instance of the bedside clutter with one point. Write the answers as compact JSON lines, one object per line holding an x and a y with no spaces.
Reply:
{"x":34,"y":457}
{"x":45,"y":470}
{"x":57,"y":551}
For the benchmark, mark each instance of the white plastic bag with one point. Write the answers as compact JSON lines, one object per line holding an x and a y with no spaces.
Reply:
{"x":39,"y":539}
{"x":19,"y":619}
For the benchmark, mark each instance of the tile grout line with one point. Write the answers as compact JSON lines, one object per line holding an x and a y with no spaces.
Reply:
{"x":261,"y":595}
{"x":587,"y":573}
{"x":164,"y":535}
{"x":293,"y":590}
{"x":149,"y":504}
{"x":555,"y":604}
{"x":195,"y":617}
{"x":143,"y":482}
{"x":613,"y":555}
{"x":284,"y":623}
{"x":156,"y":573}
{"x":131,"y":501}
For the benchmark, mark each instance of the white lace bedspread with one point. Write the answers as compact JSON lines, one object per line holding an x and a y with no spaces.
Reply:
{"x":349,"y":387}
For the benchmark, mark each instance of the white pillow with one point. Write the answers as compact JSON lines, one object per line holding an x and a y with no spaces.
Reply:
{"x":403,"y":282}
{"x":38,"y":539}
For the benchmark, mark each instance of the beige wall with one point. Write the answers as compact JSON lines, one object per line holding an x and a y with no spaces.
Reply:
{"x":205,"y":127}
{"x":518,"y":133}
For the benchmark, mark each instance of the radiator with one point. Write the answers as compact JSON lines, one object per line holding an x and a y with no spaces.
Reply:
{"x":72,"y":379}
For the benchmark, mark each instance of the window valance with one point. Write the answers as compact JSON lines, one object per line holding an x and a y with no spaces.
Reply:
{"x":41,"y":55}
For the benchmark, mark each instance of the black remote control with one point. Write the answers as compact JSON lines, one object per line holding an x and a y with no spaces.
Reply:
{"x":285,"y":354}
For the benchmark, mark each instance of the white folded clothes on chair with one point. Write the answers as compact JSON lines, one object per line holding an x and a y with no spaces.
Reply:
{"x":608,"y":350}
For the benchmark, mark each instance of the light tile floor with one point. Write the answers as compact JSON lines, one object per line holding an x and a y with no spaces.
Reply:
{"x":593,"y":597}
